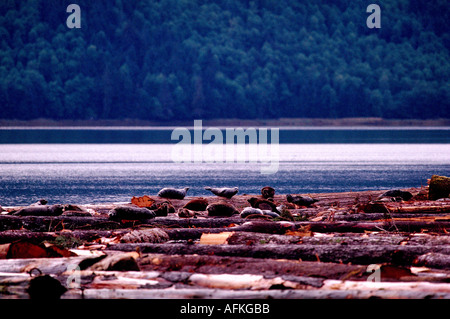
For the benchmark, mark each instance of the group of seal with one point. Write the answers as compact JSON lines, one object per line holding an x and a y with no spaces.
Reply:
{"x":258,"y":206}
{"x":175,"y":193}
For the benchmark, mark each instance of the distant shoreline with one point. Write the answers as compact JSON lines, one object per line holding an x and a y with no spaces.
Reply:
{"x":282,"y":122}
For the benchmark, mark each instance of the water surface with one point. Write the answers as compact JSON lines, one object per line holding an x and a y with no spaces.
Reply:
{"x":95,"y":166}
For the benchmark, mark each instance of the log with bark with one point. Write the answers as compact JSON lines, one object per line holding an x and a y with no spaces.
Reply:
{"x":364,"y":255}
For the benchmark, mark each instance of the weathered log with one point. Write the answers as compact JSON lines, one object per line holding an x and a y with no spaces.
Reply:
{"x":136,"y":285}
{"x":341,"y":226}
{"x":422,"y":207}
{"x":249,"y":238}
{"x":211,"y":264}
{"x":356,"y":254}
{"x":45,"y":265}
{"x":49,"y":224}
{"x":196,"y":263}
{"x":68,"y":239}
{"x":433,"y":260}
{"x":34,"y":237}
{"x":208,"y":293}
{"x":71,"y":239}
{"x":387,"y":225}
{"x":381,"y":216}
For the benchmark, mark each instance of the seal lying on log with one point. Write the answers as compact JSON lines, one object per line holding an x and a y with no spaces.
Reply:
{"x":162,"y":209}
{"x":173,"y":193}
{"x":198,"y":204}
{"x":263,"y":204}
{"x":130,"y":213}
{"x":223,"y":192}
{"x":40,"y":210}
{"x":301,"y":200}
{"x":247,"y":211}
{"x":221,"y":209}
{"x":406,"y":196}
{"x":187,"y":213}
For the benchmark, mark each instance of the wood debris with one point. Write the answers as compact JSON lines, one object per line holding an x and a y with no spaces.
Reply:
{"x":345,"y":245}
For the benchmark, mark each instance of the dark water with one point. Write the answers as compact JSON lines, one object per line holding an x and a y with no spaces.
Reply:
{"x":163,"y":136}
{"x":95,"y":166}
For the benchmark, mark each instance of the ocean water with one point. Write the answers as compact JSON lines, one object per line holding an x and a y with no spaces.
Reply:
{"x":82,"y":166}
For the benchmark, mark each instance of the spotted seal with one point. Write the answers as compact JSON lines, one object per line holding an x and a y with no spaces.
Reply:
{"x":247,"y":211}
{"x":187,"y":213}
{"x":406,"y":196}
{"x":263,"y":204}
{"x":173,"y":193}
{"x":224,"y":191}
{"x":301,"y":200}
{"x":221,"y":209}
{"x":40,"y":210}
{"x":130,"y":213}
{"x":162,"y":209}
{"x":198,"y":204}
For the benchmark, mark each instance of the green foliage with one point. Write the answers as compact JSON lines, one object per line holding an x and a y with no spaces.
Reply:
{"x":167,"y":60}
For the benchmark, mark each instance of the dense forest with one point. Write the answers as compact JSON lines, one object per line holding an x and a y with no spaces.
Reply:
{"x":184,"y":59}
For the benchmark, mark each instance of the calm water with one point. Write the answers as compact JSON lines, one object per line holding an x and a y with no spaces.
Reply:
{"x":103,"y":165}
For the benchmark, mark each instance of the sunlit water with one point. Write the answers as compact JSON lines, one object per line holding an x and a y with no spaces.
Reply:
{"x":97,"y":173}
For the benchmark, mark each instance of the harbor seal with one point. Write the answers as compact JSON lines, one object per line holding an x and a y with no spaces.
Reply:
{"x":187,"y":213}
{"x":198,"y":204}
{"x":263,"y":204}
{"x":397,"y":193}
{"x":267,"y":192}
{"x":130,"y":213}
{"x":301,"y":200}
{"x":224,"y":192}
{"x":270,"y":213}
{"x":162,"y":209}
{"x":173,"y":193}
{"x":221,"y":209}
{"x":40,"y":210}
{"x":247,"y":211}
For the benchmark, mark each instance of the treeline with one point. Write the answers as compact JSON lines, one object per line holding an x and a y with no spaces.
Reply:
{"x":185,"y":59}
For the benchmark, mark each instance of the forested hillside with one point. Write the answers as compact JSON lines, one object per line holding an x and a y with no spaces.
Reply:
{"x":173,"y":59}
